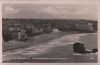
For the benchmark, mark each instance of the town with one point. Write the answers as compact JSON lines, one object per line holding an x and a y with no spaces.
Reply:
{"x":21,"y":29}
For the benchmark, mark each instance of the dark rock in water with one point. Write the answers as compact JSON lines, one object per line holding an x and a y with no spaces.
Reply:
{"x":78,"y":47}
{"x":94,"y":50}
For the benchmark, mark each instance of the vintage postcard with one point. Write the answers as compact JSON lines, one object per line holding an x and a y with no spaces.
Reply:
{"x":50,"y":31}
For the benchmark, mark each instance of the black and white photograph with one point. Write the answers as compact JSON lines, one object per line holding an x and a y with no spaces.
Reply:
{"x":49,"y":33}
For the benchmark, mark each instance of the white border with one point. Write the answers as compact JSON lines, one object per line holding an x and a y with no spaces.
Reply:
{"x":52,"y":1}
{"x":49,"y":2}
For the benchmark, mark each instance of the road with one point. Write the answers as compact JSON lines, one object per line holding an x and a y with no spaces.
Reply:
{"x":59,"y":49}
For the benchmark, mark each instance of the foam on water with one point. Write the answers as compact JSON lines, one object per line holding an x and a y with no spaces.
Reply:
{"x":44,"y":48}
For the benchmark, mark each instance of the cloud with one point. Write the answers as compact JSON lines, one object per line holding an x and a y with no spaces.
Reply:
{"x":10,"y":10}
{"x":73,"y":11}
{"x":62,"y":10}
{"x":54,"y":10}
{"x":81,"y":11}
{"x":51,"y":10}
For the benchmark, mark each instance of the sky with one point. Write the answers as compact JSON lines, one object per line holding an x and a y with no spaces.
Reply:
{"x":50,"y":11}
